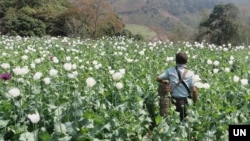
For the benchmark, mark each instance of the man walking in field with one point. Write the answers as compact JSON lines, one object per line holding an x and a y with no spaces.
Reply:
{"x":181,"y":84}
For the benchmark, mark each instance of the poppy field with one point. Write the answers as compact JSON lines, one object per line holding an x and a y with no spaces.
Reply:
{"x":69,"y":89}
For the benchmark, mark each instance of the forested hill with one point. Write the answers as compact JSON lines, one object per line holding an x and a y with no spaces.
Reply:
{"x":171,"y":16}
{"x":147,"y":20}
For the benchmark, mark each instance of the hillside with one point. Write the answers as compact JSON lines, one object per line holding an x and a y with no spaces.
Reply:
{"x":178,"y":19}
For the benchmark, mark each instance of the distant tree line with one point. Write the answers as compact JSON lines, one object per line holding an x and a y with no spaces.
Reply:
{"x":95,"y":18}
{"x":224,"y":26}
{"x":73,"y":18}
{"x":198,"y":20}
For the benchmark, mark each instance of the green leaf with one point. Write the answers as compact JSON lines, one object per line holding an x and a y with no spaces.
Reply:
{"x":158,"y":119}
{"x":44,"y":136}
{"x":3,"y":123}
{"x":61,"y":128}
{"x":27,"y":136}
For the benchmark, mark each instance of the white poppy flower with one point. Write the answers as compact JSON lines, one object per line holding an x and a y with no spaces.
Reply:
{"x":14,"y":92}
{"x":129,"y":60}
{"x":209,"y":61}
{"x":142,"y":52}
{"x":25,"y":70}
{"x":216,"y":63}
{"x":97,"y":66}
{"x":68,"y":58}
{"x":21,"y":71}
{"x":55,"y":60}
{"x":117,"y":76}
{"x":111,"y":72}
{"x":196,"y":78}
{"x":119,"y":85}
{"x":37,"y":76}
{"x":67,"y":66}
{"x":46,"y":80}
{"x":231,"y":62}
{"x":198,"y":84}
{"x":4,"y":54}
{"x":215,"y":70}
{"x":244,"y":82}
{"x":122,"y":71}
{"x":33,"y":65}
{"x":53,"y":72}
{"x":120,"y":53}
{"x":227,"y":69}
{"x":90,"y":82}
{"x":5,"y":65}
{"x":34,"y":118}
{"x":236,"y":78}
{"x":95,"y":62}
{"x":206,"y":85}
{"x":17,"y":71}
{"x":74,"y":66}
{"x":73,"y":74}
{"x":37,"y":61}
{"x":24,"y":57}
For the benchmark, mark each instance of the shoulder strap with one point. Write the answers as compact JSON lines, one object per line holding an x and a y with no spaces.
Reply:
{"x":181,"y":79}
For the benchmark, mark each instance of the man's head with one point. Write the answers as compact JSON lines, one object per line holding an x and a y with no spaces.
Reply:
{"x":181,"y":58}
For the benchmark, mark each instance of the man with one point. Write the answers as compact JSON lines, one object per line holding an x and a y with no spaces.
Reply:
{"x":179,"y":91}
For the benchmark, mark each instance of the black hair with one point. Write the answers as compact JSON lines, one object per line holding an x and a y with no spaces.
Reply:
{"x":181,"y":58}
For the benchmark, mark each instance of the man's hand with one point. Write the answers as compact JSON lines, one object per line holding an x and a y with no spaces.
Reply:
{"x":158,"y":79}
{"x":165,"y":83}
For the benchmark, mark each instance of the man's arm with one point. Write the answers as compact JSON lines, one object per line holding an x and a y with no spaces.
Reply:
{"x":195,"y":94}
{"x":162,"y":77}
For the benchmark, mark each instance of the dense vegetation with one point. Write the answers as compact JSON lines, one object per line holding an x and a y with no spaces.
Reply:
{"x":101,"y":88}
{"x":221,"y":26}
{"x":86,"y":19}
{"x":172,"y":19}
{"x":105,"y":90}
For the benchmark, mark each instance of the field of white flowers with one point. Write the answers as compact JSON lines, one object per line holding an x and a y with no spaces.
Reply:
{"x":63,"y":89}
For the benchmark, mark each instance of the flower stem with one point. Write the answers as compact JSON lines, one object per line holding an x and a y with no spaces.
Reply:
{"x":35,"y":135}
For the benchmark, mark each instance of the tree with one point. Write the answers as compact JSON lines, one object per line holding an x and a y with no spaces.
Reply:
{"x":31,"y":3}
{"x":98,"y":18}
{"x":70,"y":24}
{"x":24,"y":25}
{"x":49,"y":13}
{"x":78,"y":18}
{"x":221,"y":27}
{"x":30,"y":17}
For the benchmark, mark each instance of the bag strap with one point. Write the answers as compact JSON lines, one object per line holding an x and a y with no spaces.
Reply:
{"x":181,"y":79}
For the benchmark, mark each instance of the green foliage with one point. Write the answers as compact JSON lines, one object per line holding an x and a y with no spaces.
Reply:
{"x":126,"y":33}
{"x":30,"y":18}
{"x":27,"y":11}
{"x":221,"y":27}
{"x":58,"y":18}
{"x":88,"y":19}
{"x":31,"y":3}
{"x":177,"y":19}
{"x":140,"y":32}
{"x":24,"y":25}
{"x":4,"y":6}
{"x":49,"y":13}
{"x":69,"y":110}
